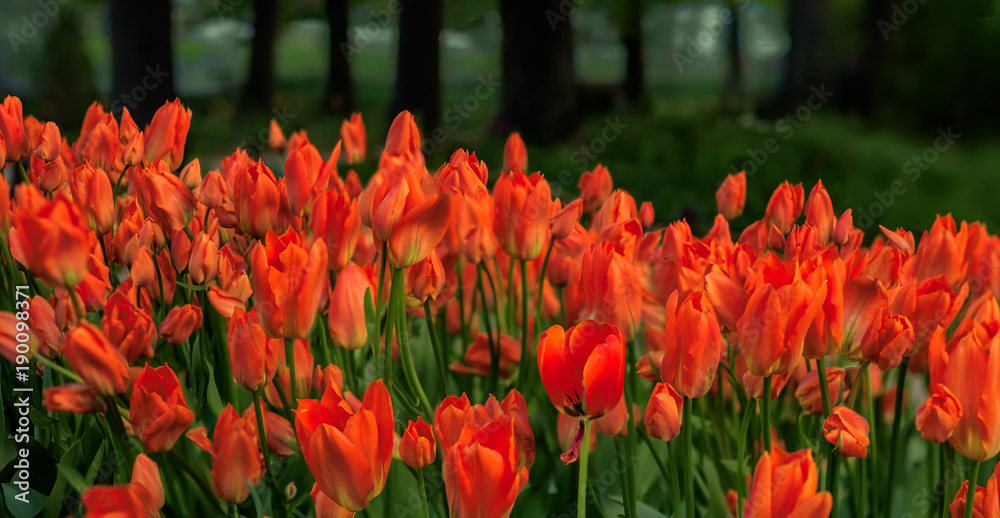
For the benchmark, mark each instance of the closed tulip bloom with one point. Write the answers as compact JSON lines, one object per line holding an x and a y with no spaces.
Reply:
{"x":301,"y":172}
{"x":693,"y":344}
{"x":449,"y":419}
{"x":49,"y":143}
{"x":887,"y":340}
{"x":419,"y":230}
{"x":785,"y":206}
{"x":565,"y":220}
{"x":515,"y":155}
{"x":129,"y":328}
{"x":969,"y":365}
{"x":12,"y":132}
{"x":819,"y":212}
{"x":348,"y":452}
{"x":928,"y":304}
{"x":95,"y":360}
{"x":425,"y":280}
{"x":938,"y":417}
{"x":254,"y":356}
{"x":167,"y":133}
{"x":773,"y":327}
{"x":848,"y":431}
{"x":158,"y":412}
{"x":521,"y":205}
{"x":288,"y":282}
{"x":180,"y":323}
{"x":203,"y":265}
{"x":77,"y":398}
{"x":92,"y":192}
{"x":352,"y":134}
{"x":335,"y":219}
{"x":732,"y":195}
{"x":143,"y":269}
{"x":663,"y":414}
{"x":595,"y":187}
{"x":583,"y":368}
{"x":256,"y":199}
{"x":986,"y":502}
{"x":100,"y":145}
{"x":612,"y":287}
{"x":347,"y":305}
{"x":784,"y":484}
{"x":140,"y":498}
{"x":50,"y":238}
{"x":163,"y":196}
{"x":809,"y":394}
{"x":417,"y":447}
{"x":237,"y":463}
{"x":482,"y":475}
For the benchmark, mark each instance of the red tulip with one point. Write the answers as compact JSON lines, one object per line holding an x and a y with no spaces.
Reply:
{"x":521,"y":205}
{"x":180,"y":323}
{"x":417,"y":447}
{"x":985,"y":503}
{"x":77,"y":398}
{"x":887,"y":340}
{"x":50,"y":238}
{"x":785,"y":206}
{"x":167,"y":133}
{"x":784,"y":484}
{"x":347,"y":305}
{"x":732,"y":195}
{"x":95,"y":360}
{"x":128,"y":328}
{"x":449,"y":419}
{"x":163,"y":196}
{"x":940,"y":414}
{"x":237,"y":463}
{"x":352,"y":134}
{"x":142,"y":497}
{"x":12,"y":132}
{"x":515,"y":156}
{"x":255,"y":199}
{"x":255,"y":357}
{"x":335,"y":220}
{"x":693,"y":345}
{"x":663,"y":416}
{"x":301,"y":173}
{"x":288,"y":282}
{"x":808,"y":391}
{"x":848,"y":431}
{"x":595,"y":187}
{"x":583,"y":368}
{"x":612,"y":287}
{"x":158,"y":412}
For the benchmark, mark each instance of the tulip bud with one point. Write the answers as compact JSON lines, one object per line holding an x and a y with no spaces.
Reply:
{"x":848,"y":431}
{"x":647,"y":215}
{"x":565,"y":220}
{"x":49,"y":144}
{"x":95,"y":360}
{"x":938,"y":417}
{"x":663,"y":414}
{"x":352,"y":134}
{"x":417,"y":448}
{"x":275,"y":137}
{"x":732,"y":196}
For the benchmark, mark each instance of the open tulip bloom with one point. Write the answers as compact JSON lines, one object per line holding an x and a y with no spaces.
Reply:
{"x":365,"y":333}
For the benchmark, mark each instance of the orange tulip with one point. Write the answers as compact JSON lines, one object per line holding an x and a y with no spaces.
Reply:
{"x":180,"y":323}
{"x":91,"y":190}
{"x":417,"y":447}
{"x":301,"y":172}
{"x":419,"y":230}
{"x":326,"y":507}
{"x":347,"y":305}
{"x":583,"y":368}
{"x":288,"y":283}
{"x":425,"y":280}
{"x":95,"y":360}
{"x":928,"y":304}
{"x":985,"y":503}
{"x":167,"y":133}
{"x":76,"y":398}
{"x":237,"y":463}
{"x":693,"y":345}
{"x":808,"y":391}
{"x":819,"y":212}
{"x":663,"y":414}
{"x":254,"y":356}
{"x":595,"y":187}
{"x":784,"y":484}
{"x":477,"y":358}
{"x":130,"y":329}
{"x":49,"y":143}
{"x":100,"y":145}
{"x":163,"y":196}
{"x":255,"y":198}
{"x":732,"y":195}
{"x":612,"y":287}
{"x":785,"y":206}
{"x":142,"y":497}
{"x":566,"y":218}
{"x":848,"y":431}
{"x":348,"y":452}
{"x":969,"y":366}
{"x":158,"y":412}
{"x":12,"y":132}
{"x":647,"y":215}
{"x":887,"y":340}
{"x":335,"y":220}
{"x":515,"y":155}
{"x":521,"y":206}
{"x":940,"y":414}
{"x":50,"y":238}
{"x":449,"y":419}
{"x":352,"y":134}
{"x":275,"y":137}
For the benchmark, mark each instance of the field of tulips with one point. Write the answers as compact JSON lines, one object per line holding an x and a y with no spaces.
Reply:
{"x":208,"y":339}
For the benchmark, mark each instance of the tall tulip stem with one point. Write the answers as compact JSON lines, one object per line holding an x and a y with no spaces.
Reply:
{"x":741,"y":451}
{"x":290,"y":359}
{"x":824,"y":387}
{"x":834,"y":482}
{"x":260,"y":431}
{"x":766,"y":410}
{"x":686,"y":425}
{"x":970,"y":495}
{"x":541,"y":284}
{"x":522,"y":373}
{"x":581,"y":488}
{"x":422,"y":487}
{"x":896,"y":423}
{"x":439,"y":351}
{"x":494,"y":346}
{"x":403,"y":341}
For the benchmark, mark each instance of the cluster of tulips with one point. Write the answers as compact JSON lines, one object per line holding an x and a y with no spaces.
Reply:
{"x":218,"y":343}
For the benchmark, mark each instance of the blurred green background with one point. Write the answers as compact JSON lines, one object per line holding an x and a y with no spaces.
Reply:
{"x":712,"y":95}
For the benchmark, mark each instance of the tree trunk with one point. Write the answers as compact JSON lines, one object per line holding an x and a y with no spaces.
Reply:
{"x":418,"y":63}
{"x":733,"y":98}
{"x":339,"y":89}
{"x":809,"y":60}
{"x":539,"y":95}
{"x":259,"y":88}
{"x":142,"y":71}
{"x":635,"y":75}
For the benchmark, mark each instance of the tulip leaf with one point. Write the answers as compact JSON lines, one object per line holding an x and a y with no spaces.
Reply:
{"x":23,"y":504}
{"x":41,"y":419}
{"x":257,"y":503}
{"x":96,"y":464}
{"x":371,"y":321}
{"x":55,"y":505}
{"x":643,"y":510}
{"x":73,"y":476}
{"x":194,"y":287}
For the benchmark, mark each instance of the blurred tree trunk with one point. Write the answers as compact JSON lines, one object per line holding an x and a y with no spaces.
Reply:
{"x":635,"y":74}
{"x":142,"y":70}
{"x":810,"y":60}
{"x":862,"y":76}
{"x":733,"y":97}
{"x":539,"y":95}
{"x":418,"y":63}
{"x":259,"y":89}
{"x":339,"y":89}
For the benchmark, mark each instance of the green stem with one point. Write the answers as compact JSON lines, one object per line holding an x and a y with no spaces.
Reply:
{"x":24,"y":174}
{"x":858,"y":385}
{"x":686,"y":425}
{"x":235,"y":511}
{"x":671,"y":479}
{"x":119,"y":437}
{"x":942,"y":496}
{"x":522,"y":372}
{"x":439,"y":352}
{"x":766,"y":412}
{"x":422,"y":487}
{"x":581,"y":487}
{"x":290,"y":361}
{"x":494,"y":346}
{"x":824,"y":387}
{"x":970,"y":495}
{"x":834,"y":482}
{"x":49,"y":364}
{"x":405,"y":354}
{"x":623,"y":481}
{"x":897,"y":419}
{"x":279,"y":494}
{"x":741,"y":490}
{"x":630,"y":391}
{"x":460,"y":294}
{"x":872,"y":453}
{"x":378,"y":303}
{"x":597,"y":502}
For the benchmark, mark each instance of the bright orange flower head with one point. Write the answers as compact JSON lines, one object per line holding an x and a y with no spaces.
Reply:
{"x":203,"y":265}
{"x":158,"y":412}
{"x":566,"y":218}
{"x":887,"y":340}
{"x":92,"y":192}
{"x":986,"y":502}
{"x":347,"y":305}
{"x":848,"y":431}
{"x":819,"y":212}
{"x":663,"y":414}
{"x":784,"y":484}
{"x":237,"y":463}
{"x":49,"y":143}
{"x":449,"y":419}
{"x":732,"y":195}
{"x":521,"y":205}
{"x":130,"y":329}
{"x":255,"y":198}
{"x":352,"y":134}
{"x":612,"y":287}
{"x":928,"y":304}
{"x":425,"y":280}
{"x":825,"y":272}
{"x":50,"y":238}
{"x":142,"y":497}
{"x":335,"y":219}
{"x":417,"y":447}
{"x":785,"y":206}
{"x":419,"y":230}
{"x":12,"y":132}
{"x":275,"y":137}
{"x":941,"y":252}
{"x":76,"y":398}
{"x":595,"y":187}
{"x":515,"y":155}
{"x":348,"y":451}
{"x":301,"y":172}
{"x":288,"y":283}
{"x":163,"y":196}
{"x":95,"y":360}
{"x":809,"y":394}
{"x":255,"y":357}
{"x":693,"y":344}
{"x":180,"y":323}
{"x":969,"y":366}
{"x":938,"y":417}
{"x":167,"y":133}
{"x":583,"y":368}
